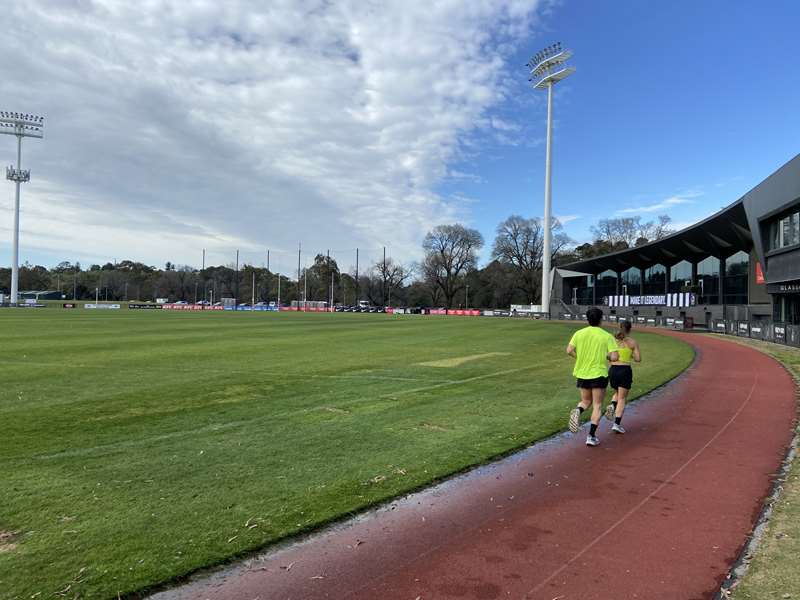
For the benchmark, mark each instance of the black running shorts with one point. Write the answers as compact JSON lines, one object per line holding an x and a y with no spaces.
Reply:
{"x":621,"y":376}
{"x":588,"y":384}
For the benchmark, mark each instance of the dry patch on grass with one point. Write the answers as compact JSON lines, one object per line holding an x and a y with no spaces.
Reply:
{"x":459,"y":360}
{"x":7,"y":541}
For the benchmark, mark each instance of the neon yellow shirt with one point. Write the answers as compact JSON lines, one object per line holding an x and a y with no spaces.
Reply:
{"x":625,"y":353}
{"x":592,"y":345}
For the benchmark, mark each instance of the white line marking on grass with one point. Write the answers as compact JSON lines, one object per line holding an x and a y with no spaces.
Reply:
{"x":368,"y":376}
{"x":233,"y":424}
{"x":434,"y":386}
{"x":141,"y":441}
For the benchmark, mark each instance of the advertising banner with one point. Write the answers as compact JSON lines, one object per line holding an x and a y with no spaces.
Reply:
{"x":144,"y":306}
{"x":68,"y":305}
{"x":176,"y":306}
{"x":674,"y":299}
{"x":103,"y":306}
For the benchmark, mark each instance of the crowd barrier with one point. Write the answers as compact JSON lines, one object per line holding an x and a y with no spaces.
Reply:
{"x":779,"y":333}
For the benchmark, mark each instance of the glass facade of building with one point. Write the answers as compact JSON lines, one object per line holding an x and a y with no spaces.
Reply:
{"x":708,"y":280}
{"x":736,"y":272}
{"x":786,"y":309}
{"x":606,"y":285}
{"x":784,"y":232}
{"x":631,"y":280}
{"x":655,"y":280}
{"x":679,"y":274}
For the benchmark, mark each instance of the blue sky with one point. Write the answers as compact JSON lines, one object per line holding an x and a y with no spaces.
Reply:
{"x":181,"y":125}
{"x":696,"y":100}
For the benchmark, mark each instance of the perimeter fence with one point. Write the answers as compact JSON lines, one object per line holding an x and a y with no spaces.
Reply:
{"x":768,"y":331}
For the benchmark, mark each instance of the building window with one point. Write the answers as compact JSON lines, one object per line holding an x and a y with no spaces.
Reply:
{"x":654,"y":280}
{"x":606,"y":285}
{"x":630,"y":281}
{"x":577,"y":290}
{"x":786,"y":309}
{"x":679,"y":274}
{"x":785,"y":232}
{"x":736,"y":270}
{"x":708,"y":280}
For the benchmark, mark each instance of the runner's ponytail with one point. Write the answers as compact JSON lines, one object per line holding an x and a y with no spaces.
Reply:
{"x":624,"y":330}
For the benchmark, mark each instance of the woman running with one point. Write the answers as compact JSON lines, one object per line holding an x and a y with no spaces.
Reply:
{"x":620,"y":374}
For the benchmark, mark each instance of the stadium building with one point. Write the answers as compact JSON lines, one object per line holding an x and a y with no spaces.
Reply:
{"x":740,"y":264}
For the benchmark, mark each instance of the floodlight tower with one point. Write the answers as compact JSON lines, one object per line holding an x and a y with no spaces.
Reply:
{"x":20,"y":125}
{"x":547,"y":68}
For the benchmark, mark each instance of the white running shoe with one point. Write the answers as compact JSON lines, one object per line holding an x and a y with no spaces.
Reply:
{"x":574,"y":420}
{"x":591,"y":440}
{"x":610,"y":409}
{"x":617,"y":428}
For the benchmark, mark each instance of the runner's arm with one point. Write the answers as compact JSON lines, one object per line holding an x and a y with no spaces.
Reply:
{"x":571,"y":351}
{"x":612,"y":355}
{"x":637,"y":355}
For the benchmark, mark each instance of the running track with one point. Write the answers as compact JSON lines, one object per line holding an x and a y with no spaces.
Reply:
{"x":661,"y":512}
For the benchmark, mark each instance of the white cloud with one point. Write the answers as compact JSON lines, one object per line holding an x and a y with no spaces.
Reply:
{"x":684,"y":198}
{"x":174,"y":126}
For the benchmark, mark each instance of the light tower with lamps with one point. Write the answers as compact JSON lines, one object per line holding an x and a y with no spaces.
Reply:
{"x":547,"y":68}
{"x":20,"y":125}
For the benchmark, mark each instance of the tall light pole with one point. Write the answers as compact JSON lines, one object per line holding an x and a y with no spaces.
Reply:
{"x":20,"y":125}
{"x":547,"y":68}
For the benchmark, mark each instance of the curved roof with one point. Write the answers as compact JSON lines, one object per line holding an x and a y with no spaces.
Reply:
{"x":721,"y":235}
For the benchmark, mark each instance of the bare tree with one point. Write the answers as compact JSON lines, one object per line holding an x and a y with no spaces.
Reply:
{"x":652,"y":231}
{"x":520,"y":244}
{"x":392,"y":275}
{"x":631,"y":231}
{"x":616,"y":231}
{"x":451,"y":251}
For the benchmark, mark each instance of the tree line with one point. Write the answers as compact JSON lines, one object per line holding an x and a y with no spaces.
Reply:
{"x":447,"y":276}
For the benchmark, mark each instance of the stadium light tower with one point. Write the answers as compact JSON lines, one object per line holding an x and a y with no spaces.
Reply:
{"x":547,"y":68}
{"x":20,"y":125}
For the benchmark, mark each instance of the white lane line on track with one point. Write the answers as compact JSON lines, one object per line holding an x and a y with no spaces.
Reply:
{"x":649,"y":497}
{"x":476,"y":526}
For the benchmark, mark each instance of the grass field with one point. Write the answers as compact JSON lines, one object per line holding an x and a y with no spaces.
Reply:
{"x":137,"y":447}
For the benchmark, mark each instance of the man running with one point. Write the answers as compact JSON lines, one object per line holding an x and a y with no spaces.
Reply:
{"x":591,"y":347}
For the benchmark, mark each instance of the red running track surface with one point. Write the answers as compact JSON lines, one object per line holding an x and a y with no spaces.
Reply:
{"x":661,"y":512}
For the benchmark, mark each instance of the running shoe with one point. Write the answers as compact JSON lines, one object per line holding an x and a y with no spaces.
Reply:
{"x":591,"y":440}
{"x":610,"y":410}
{"x":616,"y":428}
{"x":574,"y":420}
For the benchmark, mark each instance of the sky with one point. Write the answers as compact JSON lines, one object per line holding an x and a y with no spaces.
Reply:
{"x":174,"y":127}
